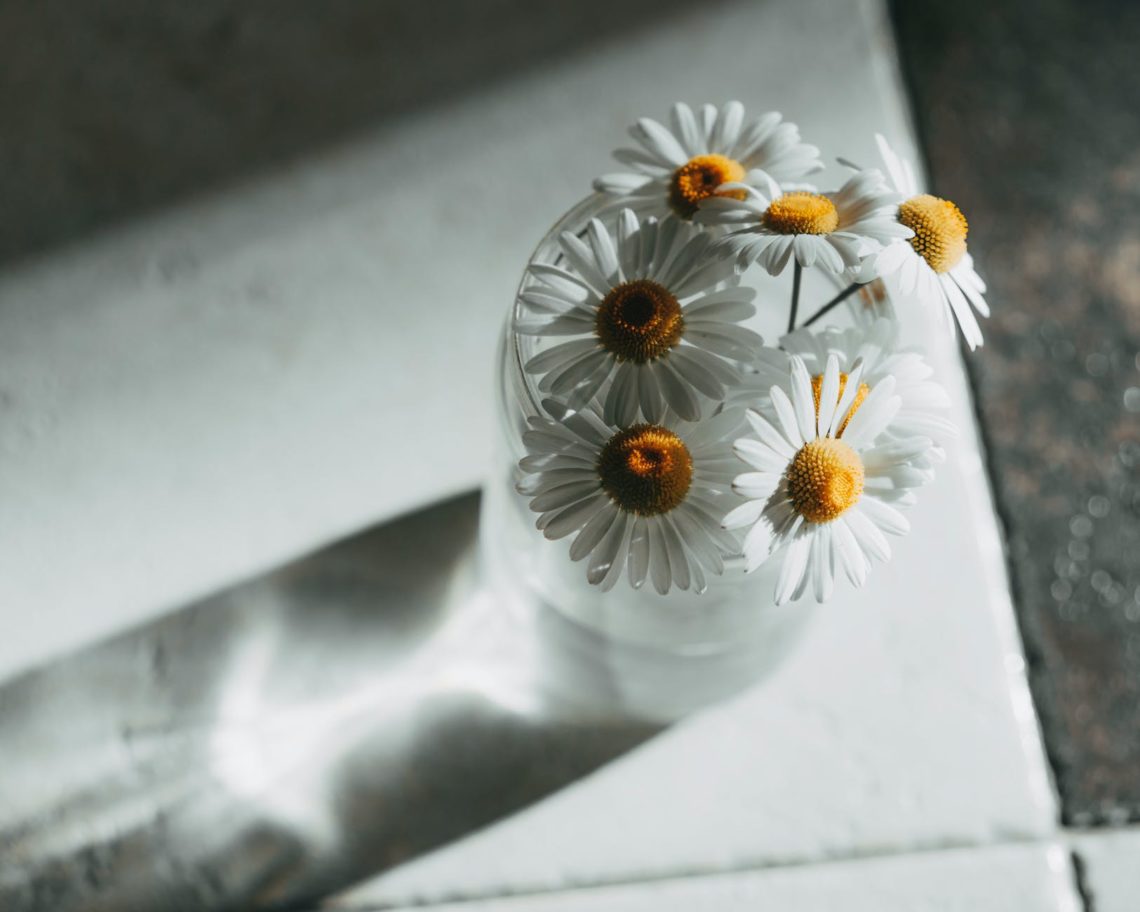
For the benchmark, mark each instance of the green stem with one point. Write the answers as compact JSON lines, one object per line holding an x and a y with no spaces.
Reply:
{"x":834,"y":302}
{"x":796,"y":276}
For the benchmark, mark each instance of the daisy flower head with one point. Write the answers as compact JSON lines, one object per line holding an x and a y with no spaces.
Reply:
{"x":652,"y":320}
{"x":680,"y":165}
{"x":834,"y":230}
{"x":935,"y":263}
{"x":646,"y":498}
{"x":876,"y":347}
{"x":826,"y":478}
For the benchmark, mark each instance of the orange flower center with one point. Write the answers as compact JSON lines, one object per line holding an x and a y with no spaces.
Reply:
{"x":698,"y":179}
{"x":939,"y":230}
{"x":825,"y":479}
{"x":800,"y":212}
{"x":639,"y":321}
{"x":645,"y":469}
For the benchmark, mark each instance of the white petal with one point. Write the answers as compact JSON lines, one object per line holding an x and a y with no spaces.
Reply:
{"x":850,"y":554}
{"x":686,"y":130}
{"x":695,"y":374}
{"x":621,"y":182}
{"x":727,"y":129}
{"x":581,"y":257}
{"x":802,"y":399}
{"x":563,"y":495}
{"x":677,"y":392}
{"x":768,"y":434}
{"x":678,"y":561}
{"x":730,"y":305}
{"x":786,"y":415}
{"x":649,"y":394}
{"x":744,"y":515}
{"x":573,"y":517}
{"x":764,"y":538}
{"x":538,"y":299}
{"x":541,"y":462}
{"x":756,"y":485}
{"x":873,"y":416}
{"x":971,"y":332}
{"x":828,"y":395}
{"x":614,"y":573}
{"x":659,"y":141}
{"x":629,"y":243}
{"x":604,"y":253}
{"x":621,"y":400}
{"x":794,"y":566}
{"x":896,"y":451}
{"x":696,"y":540}
{"x":562,"y":381}
{"x":760,"y":455}
{"x":822,"y":564}
{"x":643,"y":161}
{"x":867,"y":534}
{"x":638,"y":553}
{"x":593,"y":532}
{"x":885,"y":517}
{"x":843,"y":408}
{"x":565,"y":283}
{"x":545,"y":481}
{"x":560,"y":354}
{"x":610,"y":552}
{"x":659,"y":571}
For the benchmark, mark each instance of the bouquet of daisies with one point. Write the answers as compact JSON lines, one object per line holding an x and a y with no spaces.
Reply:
{"x":674,"y":444}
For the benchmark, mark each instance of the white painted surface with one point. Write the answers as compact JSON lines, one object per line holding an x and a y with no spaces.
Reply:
{"x":1112,"y":869}
{"x":1021,"y":878}
{"x":200,"y":398}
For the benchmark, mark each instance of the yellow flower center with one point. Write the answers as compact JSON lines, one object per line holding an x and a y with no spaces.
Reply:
{"x":639,"y":321}
{"x":860,"y":395}
{"x":698,"y":179}
{"x":800,"y":212}
{"x":939,"y":230}
{"x":825,"y":479}
{"x":645,"y":469}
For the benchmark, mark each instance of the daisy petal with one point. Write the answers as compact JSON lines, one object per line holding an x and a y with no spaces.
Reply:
{"x":638,"y":553}
{"x":593,"y":532}
{"x":786,"y":415}
{"x":794,"y":567}
{"x":884,"y":516}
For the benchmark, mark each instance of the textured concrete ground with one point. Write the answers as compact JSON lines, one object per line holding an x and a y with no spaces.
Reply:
{"x":1028,"y":115}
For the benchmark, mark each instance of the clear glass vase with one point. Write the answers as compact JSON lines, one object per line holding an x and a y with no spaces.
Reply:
{"x":668,"y":654}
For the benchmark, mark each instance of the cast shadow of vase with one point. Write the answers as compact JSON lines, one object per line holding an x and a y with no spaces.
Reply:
{"x":310,"y":728}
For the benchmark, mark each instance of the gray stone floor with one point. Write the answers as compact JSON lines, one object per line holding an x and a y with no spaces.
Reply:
{"x":1028,"y":115}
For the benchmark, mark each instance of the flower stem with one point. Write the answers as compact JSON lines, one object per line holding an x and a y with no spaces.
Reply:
{"x":834,"y":302}
{"x":796,"y":275}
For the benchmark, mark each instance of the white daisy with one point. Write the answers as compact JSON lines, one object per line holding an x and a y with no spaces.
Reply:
{"x":654,"y":316}
{"x":676,"y":169}
{"x":936,"y":263}
{"x":875,"y":347}
{"x":834,"y":230}
{"x":827,"y":479}
{"x":647,"y":497}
